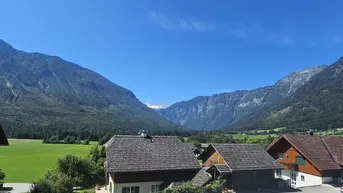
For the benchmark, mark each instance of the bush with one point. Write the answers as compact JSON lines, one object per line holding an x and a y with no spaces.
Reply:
{"x":104,"y":139}
{"x":53,"y":182}
{"x":185,"y":188}
{"x":72,"y":171}
{"x":86,"y":141}
{"x":2,"y":177}
{"x":197,"y":144}
{"x":81,"y":171}
{"x":213,"y":187}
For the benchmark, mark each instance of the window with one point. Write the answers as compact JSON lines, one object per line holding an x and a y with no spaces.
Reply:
{"x":280,"y":156}
{"x":155,"y":188}
{"x":300,"y":160}
{"x":278,"y":173}
{"x":130,"y":189}
{"x":302,"y":178}
{"x":293,"y":178}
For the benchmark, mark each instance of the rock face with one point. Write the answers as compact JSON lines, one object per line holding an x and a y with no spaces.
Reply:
{"x":42,"y":90}
{"x":317,"y":104}
{"x":226,"y":109}
{"x":3,"y":138}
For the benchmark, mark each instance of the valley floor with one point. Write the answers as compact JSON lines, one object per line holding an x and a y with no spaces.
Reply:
{"x":28,"y":160}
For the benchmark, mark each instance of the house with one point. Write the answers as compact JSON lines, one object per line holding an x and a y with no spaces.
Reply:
{"x":243,"y":166}
{"x":144,"y":164}
{"x":308,"y":160}
{"x":196,"y":150}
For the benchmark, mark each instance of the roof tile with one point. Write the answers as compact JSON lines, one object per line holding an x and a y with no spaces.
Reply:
{"x":134,"y":153}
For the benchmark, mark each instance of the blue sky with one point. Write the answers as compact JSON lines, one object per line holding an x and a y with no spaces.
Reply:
{"x":167,"y":51}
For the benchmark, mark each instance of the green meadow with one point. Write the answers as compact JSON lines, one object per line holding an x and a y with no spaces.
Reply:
{"x":28,"y":160}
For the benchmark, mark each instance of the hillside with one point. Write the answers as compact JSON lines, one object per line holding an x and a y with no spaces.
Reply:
{"x":234,"y":108}
{"x":40,"y":92}
{"x":317,"y":104}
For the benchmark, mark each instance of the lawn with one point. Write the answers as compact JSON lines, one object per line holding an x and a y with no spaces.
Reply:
{"x":28,"y":160}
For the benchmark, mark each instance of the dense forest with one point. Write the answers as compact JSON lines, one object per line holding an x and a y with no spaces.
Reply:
{"x":317,"y":104}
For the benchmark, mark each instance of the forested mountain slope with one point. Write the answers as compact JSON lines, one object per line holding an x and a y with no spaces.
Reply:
{"x":317,"y":104}
{"x":234,"y":108}
{"x":43,"y":93}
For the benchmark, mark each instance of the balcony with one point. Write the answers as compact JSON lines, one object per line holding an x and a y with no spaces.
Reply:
{"x":289,"y":166}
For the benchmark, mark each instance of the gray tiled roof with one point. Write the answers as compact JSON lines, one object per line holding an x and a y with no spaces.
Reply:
{"x":201,"y":178}
{"x":239,"y":157}
{"x":223,"y":168}
{"x":134,"y":153}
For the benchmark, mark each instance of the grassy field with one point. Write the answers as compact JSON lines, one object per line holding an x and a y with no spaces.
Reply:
{"x":28,"y":160}
{"x":241,"y":136}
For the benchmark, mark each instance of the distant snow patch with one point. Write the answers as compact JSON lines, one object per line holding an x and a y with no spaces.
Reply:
{"x":156,"y":106}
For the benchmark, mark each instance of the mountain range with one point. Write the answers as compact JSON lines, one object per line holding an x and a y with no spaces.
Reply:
{"x":244,"y":108}
{"x":41,"y":92}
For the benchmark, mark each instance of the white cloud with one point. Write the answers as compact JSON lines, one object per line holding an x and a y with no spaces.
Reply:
{"x":260,"y":33}
{"x":155,"y":106}
{"x":181,"y":24}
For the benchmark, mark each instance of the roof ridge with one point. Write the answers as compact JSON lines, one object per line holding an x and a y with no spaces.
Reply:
{"x":242,"y":144}
{"x":137,"y":136}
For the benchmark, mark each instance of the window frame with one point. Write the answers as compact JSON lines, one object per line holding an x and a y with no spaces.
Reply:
{"x":132,"y":189}
{"x":278,"y":173}
{"x":280,"y":157}
{"x":302,"y":177}
{"x":155,"y":188}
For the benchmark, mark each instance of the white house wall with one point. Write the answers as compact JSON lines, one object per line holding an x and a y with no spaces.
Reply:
{"x":144,"y":187}
{"x":110,"y":181}
{"x":310,"y":180}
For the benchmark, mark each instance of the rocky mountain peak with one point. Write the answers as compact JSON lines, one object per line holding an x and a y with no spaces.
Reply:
{"x":301,"y":76}
{"x":224,"y":109}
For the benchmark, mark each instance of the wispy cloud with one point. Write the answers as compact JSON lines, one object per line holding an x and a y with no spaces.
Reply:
{"x":260,"y":33}
{"x":181,"y":24}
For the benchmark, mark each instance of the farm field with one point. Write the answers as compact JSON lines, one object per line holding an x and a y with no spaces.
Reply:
{"x":28,"y":160}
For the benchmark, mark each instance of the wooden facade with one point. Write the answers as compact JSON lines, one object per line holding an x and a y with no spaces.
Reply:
{"x":213,"y":158}
{"x":239,"y":178}
{"x":288,"y":160}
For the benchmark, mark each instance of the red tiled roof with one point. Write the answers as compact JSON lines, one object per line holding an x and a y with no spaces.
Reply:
{"x":335,"y":146}
{"x":325,"y":153}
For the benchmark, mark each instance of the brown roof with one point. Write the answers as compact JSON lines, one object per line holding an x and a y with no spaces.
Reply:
{"x":325,"y":153}
{"x":135,"y":153}
{"x":242,"y":157}
{"x":335,"y":147}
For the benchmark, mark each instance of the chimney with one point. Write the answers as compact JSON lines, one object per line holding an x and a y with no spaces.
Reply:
{"x":311,"y":131}
{"x":143,"y":133}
